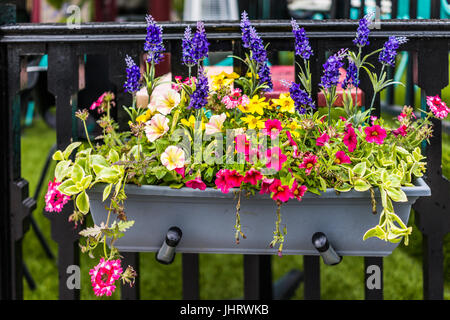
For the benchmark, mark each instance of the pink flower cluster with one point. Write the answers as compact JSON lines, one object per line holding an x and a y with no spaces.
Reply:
{"x":236,"y":98}
{"x":350,"y":139}
{"x":98,"y":103}
{"x":54,"y":199}
{"x":179,"y":80}
{"x":282,"y":192}
{"x":438,"y":107}
{"x":104,"y":275}
{"x":227,"y":179}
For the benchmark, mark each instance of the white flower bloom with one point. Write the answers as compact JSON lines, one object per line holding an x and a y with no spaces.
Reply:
{"x":173,"y":157}
{"x":166,"y":102}
{"x":156,"y":127}
{"x":215,"y":124}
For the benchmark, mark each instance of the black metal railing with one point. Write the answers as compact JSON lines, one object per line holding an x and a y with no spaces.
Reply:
{"x":66,"y":48}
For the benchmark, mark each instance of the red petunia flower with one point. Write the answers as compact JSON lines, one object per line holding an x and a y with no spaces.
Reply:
{"x":342,"y":158}
{"x":298,"y":191}
{"x":309,"y":162}
{"x":324,"y":138}
{"x":280,"y":192}
{"x":275,"y":158}
{"x":350,"y":139}
{"x":375,"y":134}
{"x":265,"y":185}
{"x":252,"y":176}
{"x":403,"y":131}
{"x":272,"y":128}
{"x":196,"y":183}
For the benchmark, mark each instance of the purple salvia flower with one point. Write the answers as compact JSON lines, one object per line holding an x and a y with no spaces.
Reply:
{"x":301,"y":98}
{"x":362,"y":33}
{"x":330,"y":77}
{"x":133,"y":76}
{"x":199,"y":97}
{"x":200,"y":43}
{"x":351,"y":76}
{"x":153,"y":41}
{"x":245,"y":27}
{"x":265,"y":76}
{"x":389,"y":52}
{"x":302,"y":47}
{"x":188,"y":48}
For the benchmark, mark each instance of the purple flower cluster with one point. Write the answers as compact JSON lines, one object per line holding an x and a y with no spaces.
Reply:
{"x":302,"y":47}
{"x":251,"y":40}
{"x":133,"y":76}
{"x":331,"y":68}
{"x":194,"y":47}
{"x":389,"y":51}
{"x":362,"y":33}
{"x":199,"y":97}
{"x":301,"y":98}
{"x":153,"y":41}
{"x":352,"y":76}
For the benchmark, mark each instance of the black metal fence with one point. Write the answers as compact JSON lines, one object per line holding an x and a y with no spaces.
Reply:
{"x":428,"y":44}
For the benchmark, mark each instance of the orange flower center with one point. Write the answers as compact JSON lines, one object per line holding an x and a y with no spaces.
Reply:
{"x":338,"y":161}
{"x":280,"y":189}
{"x":309,"y":165}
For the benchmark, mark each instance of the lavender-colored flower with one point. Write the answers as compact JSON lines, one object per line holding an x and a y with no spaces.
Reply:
{"x":265,"y":76}
{"x":200,"y":43}
{"x":351,"y":76}
{"x":245,"y":28}
{"x":199,"y":97}
{"x":301,"y":98}
{"x":389,"y":52}
{"x":302,"y":47}
{"x":331,"y":68}
{"x":153,"y":41}
{"x":188,"y":48}
{"x":362,"y":33}
{"x":133,"y":76}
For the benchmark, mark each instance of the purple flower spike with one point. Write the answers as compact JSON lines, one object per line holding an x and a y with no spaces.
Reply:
{"x":188,"y":48}
{"x":389,"y":52}
{"x":200,"y":43}
{"x":302,"y":47}
{"x":331,"y":68}
{"x":301,"y":98}
{"x":153,"y":41}
{"x":133,"y":76}
{"x":199,"y":97}
{"x":362,"y":34}
{"x":351,"y":77}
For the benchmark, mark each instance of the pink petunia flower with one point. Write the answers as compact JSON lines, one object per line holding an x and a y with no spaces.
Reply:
{"x":98,"y":103}
{"x":252,"y":176}
{"x":104,"y":275}
{"x":292,"y":143}
{"x":280,"y":192}
{"x":180,"y":171}
{"x":196,"y":183}
{"x":342,"y":158}
{"x":324,"y":138}
{"x":275,"y":158}
{"x":403,"y":131}
{"x":234,"y":178}
{"x":298,"y":191}
{"x":235,"y":99}
{"x":309,"y":162}
{"x":438,"y":107}
{"x":272,"y":128}
{"x":350,"y":139}
{"x":54,"y":199}
{"x":375,"y":134}
{"x":226,"y":179}
{"x":265,"y":185}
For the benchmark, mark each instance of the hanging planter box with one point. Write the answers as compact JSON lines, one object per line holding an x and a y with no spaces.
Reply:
{"x":207,"y":220}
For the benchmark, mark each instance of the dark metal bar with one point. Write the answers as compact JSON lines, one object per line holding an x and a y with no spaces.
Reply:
{"x":435,"y":9}
{"x":373,"y":278}
{"x":394,"y":9}
{"x":413,"y":9}
{"x":311,"y":266}
{"x":28,"y":277}
{"x":340,"y":9}
{"x":257,"y":277}
{"x":127,"y":292}
{"x":362,"y":8}
{"x":190,"y":274}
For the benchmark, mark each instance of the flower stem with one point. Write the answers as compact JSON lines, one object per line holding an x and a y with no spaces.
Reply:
{"x":87,"y":134}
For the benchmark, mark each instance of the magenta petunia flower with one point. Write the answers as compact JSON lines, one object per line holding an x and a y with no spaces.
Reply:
{"x":54,"y":199}
{"x":298,"y":191}
{"x":324,"y":138}
{"x":180,"y":171}
{"x":375,"y":134}
{"x":252,"y":176}
{"x":350,"y":139}
{"x":309,"y":162}
{"x":403,"y":131}
{"x":438,"y":107}
{"x":196,"y":183}
{"x":292,"y":143}
{"x":235,"y":99}
{"x":275,"y":158}
{"x":104,"y":275}
{"x":280,"y":192}
{"x":272,"y":128}
{"x":226,"y":179}
{"x":342,"y":158}
{"x":265,"y":185}
{"x":234,"y":178}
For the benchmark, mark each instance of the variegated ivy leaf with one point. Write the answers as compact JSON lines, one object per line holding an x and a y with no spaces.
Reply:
{"x":62,"y":170}
{"x":70,"y":148}
{"x":94,"y":232}
{"x":107,"y":191}
{"x":361,"y":185}
{"x":113,"y":156}
{"x":345,"y":187}
{"x":397,"y":194}
{"x":58,"y":156}
{"x":360,"y":169}
{"x":376,"y":231}
{"x":77,"y":173}
{"x":82,"y":202}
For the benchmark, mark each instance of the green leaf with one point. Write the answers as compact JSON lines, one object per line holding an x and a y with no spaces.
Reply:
{"x":361,"y":185}
{"x":375,"y":232}
{"x":107,"y":191}
{"x":109,"y":175}
{"x":70,"y":148}
{"x":62,"y":169}
{"x":77,"y":173}
{"x":86,"y":181}
{"x":323,"y":184}
{"x":124,"y":225}
{"x":63,"y":187}
{"x":58,"y":156}
{"x":99,"y":160}
{"x":343,"y":188}
{"x":83,"y":202}
{"x":176,"y":185}
{"x":360,"y":169}
{"x":113,"y":156}
{"x":397,"y":194}
{"x":94,"y":232}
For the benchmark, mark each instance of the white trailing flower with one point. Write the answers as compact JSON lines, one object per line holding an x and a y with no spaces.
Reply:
{"x":215,"y":124}
{"x":156,"y":127}
{"x":173,"y":158}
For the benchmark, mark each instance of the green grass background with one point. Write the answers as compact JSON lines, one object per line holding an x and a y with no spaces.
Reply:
{"x":221,"y":276}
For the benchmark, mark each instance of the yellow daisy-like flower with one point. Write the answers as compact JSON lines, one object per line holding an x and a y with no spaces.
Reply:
{"x":285,"y":102}
{"x":292,"y":126}
{"x":145,"y":117}
{"x":257,"y":105}
{"x":253,"y":122}
{"x":220,"y":80}
{"x":190,"y":123}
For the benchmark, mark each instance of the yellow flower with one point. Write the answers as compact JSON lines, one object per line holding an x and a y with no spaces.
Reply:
{"x":253,"y":122}
{"x":190,"y":123}
{"x":220,"y":80}
{"x":285,"y":102}
{"x":292,"y":126}
{"x":146,"y":116}
{"x":249,"y":75}
{"x":257,"y":105}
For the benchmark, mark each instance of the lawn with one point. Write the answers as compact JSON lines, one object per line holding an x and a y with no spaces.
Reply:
{"x":221,"y":276}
